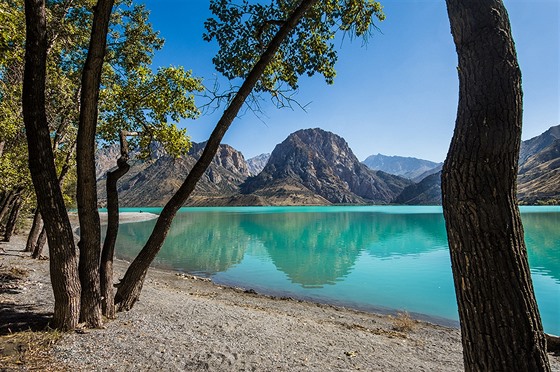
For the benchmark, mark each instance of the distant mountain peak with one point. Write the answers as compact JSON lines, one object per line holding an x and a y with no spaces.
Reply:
{"x":407,"y":167}
{"x":257,"y":163}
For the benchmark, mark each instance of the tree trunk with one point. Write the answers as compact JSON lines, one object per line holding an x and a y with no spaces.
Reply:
{"x":130,"y":287}
{"x":36,"y":228}
{"x":63,"y":258}
{"x":112,"y":228}
{"x":40,"y":244}
{"x":500,"y":323}
{"x":7,"y":203}
{"x":12,"y":219}
{"x":90,"y":228}
{"x":34,"y":243}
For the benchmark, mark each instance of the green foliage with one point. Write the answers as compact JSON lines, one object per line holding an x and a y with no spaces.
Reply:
{"x":134,"y":98}
{"x":12,"y":34}
{"x":243,"y":29}
{"x":11,"y":30}
{"x":13,"y":166}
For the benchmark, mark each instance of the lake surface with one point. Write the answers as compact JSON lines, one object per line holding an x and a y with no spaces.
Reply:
{"x":375,"y":258}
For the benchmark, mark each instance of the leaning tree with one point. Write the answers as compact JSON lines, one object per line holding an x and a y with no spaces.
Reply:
{"x":269,"y":47}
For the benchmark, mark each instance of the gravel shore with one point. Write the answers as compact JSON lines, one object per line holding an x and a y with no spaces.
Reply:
{"x":185,"y":323}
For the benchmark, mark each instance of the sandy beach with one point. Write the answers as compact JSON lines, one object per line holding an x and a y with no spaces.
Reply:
{"x":185,"y":323}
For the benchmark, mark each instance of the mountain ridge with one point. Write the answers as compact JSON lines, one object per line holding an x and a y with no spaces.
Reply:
{"x":311,"y":167}
{"x":538,"y":179}
{"x":407,"y":167}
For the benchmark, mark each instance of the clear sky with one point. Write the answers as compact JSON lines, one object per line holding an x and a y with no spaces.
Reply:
{"x":395,"y":96}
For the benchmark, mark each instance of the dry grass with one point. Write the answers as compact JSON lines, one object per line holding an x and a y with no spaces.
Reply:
{"x":25,"y":350}
{"x":404,"y":323}
{"x":29,"y":351}
{"x":12,"y":273}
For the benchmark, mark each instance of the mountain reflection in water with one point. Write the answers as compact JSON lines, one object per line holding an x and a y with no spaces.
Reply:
{"x":366,"y":257}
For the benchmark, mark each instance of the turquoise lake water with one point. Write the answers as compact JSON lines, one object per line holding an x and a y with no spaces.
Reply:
{"x":374,"y":258}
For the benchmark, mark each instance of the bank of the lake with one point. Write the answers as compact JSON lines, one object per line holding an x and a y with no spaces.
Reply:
{"x":183,"y":323}
{"x":380,"y":259}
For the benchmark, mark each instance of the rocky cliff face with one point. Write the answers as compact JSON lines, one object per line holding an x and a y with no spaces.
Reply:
{"x":538,"y":180}
{"x":226,"y":157}
{"x":153,"y":182}
{"x":106,"y":159}
{"x":311,"y":167}
{"x":257,"y":163}
{"x":321,"y":162}
{"x":538,"y":143}
{"x":539,"y":176}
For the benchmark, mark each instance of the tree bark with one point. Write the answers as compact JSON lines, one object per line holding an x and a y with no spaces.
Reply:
{"x":12,"y":219}
{"x":63,"y":258}
{"x":36,"y":228}
{"x":40,"y":244}
{"x":112,"y":228}
{"x":34,"y":243}
{"x":7,"y":203}
{"x":130,"y":286}
{"x":90,"y":228}
{"x":500,"y":323}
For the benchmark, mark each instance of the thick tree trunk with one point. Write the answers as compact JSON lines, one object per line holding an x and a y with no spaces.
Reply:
{"x":12,"y":219}
{"x":112,"y":228}
{"x":63,"y":258}
{"x":36,"y":228}
{"x":40,"y":244}
{"x":131,"y":285}
{"x":500,"y":323}
{"x":35,"y":243}
{"x":90,"y":230}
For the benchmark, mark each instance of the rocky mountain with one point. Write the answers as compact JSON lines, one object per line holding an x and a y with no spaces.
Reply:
{"x":425,"y":192}
{"x":538,"y":143}
{"x":406,"y":167}
{"x":226,"y":157}
{"x":311,"y":167}
{"x":320,"y":163}
{"x":428,"y":173}
{"x":539,"y":176}
{"x":256,"y":164}
{"x":106,"y":159}
{"x":538,"y":179}
{"x":153,"y":182}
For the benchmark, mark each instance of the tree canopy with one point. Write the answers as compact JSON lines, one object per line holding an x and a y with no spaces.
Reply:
{"x":134,"y":97}
{"x":243,"y":29}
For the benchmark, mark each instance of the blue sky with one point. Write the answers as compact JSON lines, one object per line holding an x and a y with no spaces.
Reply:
{"x":396,"y":96}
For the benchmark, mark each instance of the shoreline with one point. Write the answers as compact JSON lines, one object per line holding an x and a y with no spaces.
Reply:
{"x":182,"y":322}
{"x":371,"y":309}
{"x":140,"y":216}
